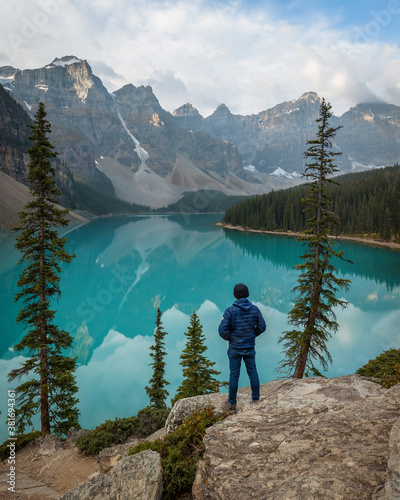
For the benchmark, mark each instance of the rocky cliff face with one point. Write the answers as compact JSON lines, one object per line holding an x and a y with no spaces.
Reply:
{"x":14,"y":142}
{"x":78,"y":106}
{"x":273,"y":141}
{"x":127,"y":136}
{"x":13,"y":138}
{"x":371,"y":134}
{"x":312,"y":438}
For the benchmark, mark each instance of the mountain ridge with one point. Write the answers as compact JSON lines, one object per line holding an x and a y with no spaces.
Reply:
{"x":126,"y":144}
{"x":274,"y":140}
{"x":125,"y":136}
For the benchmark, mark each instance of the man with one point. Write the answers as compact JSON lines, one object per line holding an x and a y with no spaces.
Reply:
{"x":241,"y":324}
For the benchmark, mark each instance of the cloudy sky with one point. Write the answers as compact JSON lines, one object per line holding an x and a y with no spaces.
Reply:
{"x":249,"y":54}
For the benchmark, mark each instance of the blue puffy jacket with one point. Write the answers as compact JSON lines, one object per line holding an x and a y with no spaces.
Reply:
{"x":241,"y":324}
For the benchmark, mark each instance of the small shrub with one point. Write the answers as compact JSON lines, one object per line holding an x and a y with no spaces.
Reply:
{"x":22,"y":440}
{"x":385,"y":368}
{"x":180,"y":451}
{"x":117,"y":431}
{"x":151,"y":419}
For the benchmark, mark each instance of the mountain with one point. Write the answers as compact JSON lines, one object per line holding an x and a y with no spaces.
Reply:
{"x":273,"y":141}
{"x":13,"y":137}
{"x":125,"y":144}
{"x":14,"y":160}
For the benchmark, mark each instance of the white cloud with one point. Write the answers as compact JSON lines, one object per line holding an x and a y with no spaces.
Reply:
{"x":206,"y":52}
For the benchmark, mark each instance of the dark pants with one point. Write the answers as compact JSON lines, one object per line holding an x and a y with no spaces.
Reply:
{"x":235,"y":360}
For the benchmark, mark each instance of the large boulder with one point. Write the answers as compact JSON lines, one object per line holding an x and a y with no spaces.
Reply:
{"x":184,"y":407}
{"x":391,"y":489}
{"x":306,"y":439}
{"x":108,"y":457}
{"x":136,"y":476}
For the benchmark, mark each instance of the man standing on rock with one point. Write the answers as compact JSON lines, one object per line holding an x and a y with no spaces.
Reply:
{"x":241,"y":324}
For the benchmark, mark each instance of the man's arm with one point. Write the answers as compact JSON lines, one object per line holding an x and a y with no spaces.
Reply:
{"x":225,"y":325}
{"x":261,"y":326}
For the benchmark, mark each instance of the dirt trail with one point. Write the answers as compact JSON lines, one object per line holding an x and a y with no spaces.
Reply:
{"x":42,"y":476}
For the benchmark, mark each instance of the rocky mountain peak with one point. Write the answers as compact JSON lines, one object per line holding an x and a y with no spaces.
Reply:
{"x":186,"y":110}
{"x":138,"y":106}
{"x":143,"y":95}
{"x":66,"y":61}
{"x":309,"y":97}
{"x":222,"y":110}
{"x":7,"y":74}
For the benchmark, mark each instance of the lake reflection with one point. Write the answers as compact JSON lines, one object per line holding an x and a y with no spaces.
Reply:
{"x":126,"y":267}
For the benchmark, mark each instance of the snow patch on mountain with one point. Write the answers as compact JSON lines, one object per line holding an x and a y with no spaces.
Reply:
{"x":141,"y":152}
{"x":6,"y":80}
{"x":279,"y":172}
{"x":250,"y":168}
{"x":359,"y":167}
{"x":64,"y":61}
{"x":43,"y":87}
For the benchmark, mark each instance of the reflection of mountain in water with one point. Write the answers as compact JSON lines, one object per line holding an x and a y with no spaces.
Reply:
{"x":126,"y":267}
{"x":375,"y":263}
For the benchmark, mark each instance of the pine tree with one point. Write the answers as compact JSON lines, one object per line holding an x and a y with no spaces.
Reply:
{"x":49,"y":385}
{"x":312,"y":314}
{"x":197,"y":369}
{"x":156,"y":388}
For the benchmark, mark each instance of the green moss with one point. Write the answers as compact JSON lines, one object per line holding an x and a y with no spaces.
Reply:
{"x":385,"y":368}
{"x":180,"y":451}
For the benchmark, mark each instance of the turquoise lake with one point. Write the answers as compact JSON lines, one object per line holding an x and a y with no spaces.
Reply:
{"x":126,"y":267}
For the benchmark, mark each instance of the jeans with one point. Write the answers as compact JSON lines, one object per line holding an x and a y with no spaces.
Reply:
{"x":235,"y":360}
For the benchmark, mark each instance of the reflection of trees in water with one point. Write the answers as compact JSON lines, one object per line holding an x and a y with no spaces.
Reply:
{"x":378,"y":264}
{"x":82,"y":344}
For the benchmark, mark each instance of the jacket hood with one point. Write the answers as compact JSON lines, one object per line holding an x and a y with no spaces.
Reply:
{"x":243,"y":303}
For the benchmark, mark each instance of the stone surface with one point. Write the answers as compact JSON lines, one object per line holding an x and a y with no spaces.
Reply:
{"x":137,"y":476}
{"x":108,"y":457}
{"x":47,"y":445}
{"x":391,"y":489}
{"x":184,"y":407}
{"x":308,"y":439}
{"x":26,"y":488}
{"x":74,"y":434}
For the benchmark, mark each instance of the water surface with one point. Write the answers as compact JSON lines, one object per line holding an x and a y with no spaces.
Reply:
{"x":126,"y":267}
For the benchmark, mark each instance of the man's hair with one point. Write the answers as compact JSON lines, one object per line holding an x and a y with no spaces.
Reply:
{"x":240,"y":291}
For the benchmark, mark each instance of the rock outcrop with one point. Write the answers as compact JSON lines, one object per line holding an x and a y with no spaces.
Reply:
{"x":306,"y":439}
{"x":137,"y":476}
{"x":391,"y":490}
{"x":311,"y":439}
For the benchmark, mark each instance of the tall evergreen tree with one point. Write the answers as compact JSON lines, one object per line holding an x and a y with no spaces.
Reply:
{"x":156,"y":388}
{"x":197,"y":369}
{"x":50,"y":387}
{"x":312,"y":315}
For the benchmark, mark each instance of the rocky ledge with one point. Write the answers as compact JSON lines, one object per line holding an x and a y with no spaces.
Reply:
{"x":308,"y":439}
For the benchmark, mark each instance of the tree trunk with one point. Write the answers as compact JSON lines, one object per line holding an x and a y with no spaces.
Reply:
{"x":44,"y":391}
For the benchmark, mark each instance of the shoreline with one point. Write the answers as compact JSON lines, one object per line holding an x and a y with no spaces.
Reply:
{"x":365,"y":241}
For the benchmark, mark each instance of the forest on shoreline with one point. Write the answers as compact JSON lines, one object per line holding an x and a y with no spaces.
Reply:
{"x":367,"y":204}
